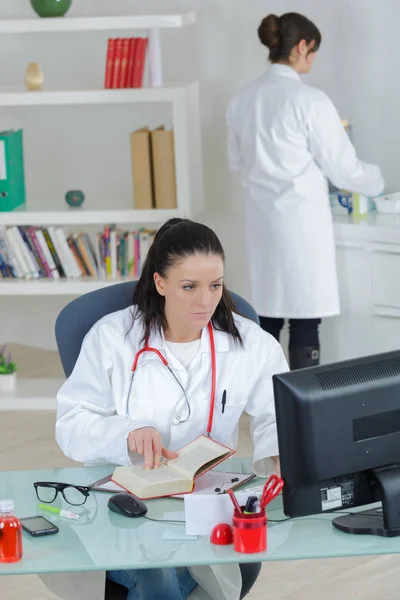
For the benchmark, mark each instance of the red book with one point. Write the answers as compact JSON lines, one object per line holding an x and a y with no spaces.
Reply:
{"x":131,"y":62}
{"x":140,"y":59}
{"x":124,"y":63}
{"x":109,"y":64}
{"x":117,"y":64}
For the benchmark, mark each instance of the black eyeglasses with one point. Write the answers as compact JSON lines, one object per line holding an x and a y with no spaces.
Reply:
{"x":47,"y":491}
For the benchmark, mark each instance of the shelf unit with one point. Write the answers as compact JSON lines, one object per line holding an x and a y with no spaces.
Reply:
{"x":184,"y":101}
{"x":112,"y":23}
{"x":31,"y":394}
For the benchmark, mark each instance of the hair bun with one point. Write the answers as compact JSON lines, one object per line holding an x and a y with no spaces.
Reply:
{"x":269,"y":31}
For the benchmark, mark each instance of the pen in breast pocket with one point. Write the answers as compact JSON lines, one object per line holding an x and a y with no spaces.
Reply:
{"x":223,"y":401}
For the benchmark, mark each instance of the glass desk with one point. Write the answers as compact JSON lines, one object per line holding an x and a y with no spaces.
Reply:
{"x":102,"y":540}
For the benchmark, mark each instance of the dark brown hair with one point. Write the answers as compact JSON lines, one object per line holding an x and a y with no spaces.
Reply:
{"x":177,"y":239}
{"x":281,"y":34}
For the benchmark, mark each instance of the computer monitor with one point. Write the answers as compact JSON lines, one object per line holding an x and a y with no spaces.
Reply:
{"x":339,"y":441}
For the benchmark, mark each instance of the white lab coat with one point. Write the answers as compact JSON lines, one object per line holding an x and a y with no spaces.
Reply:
{"x":284,"y":138}
{"x":94,"y":414}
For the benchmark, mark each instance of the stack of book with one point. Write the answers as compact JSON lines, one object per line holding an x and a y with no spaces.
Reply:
{"x":153,"y":169}
{"x":125,"y":62}
{"x":38,"y":252}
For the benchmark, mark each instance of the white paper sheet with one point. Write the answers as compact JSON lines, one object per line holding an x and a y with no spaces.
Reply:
{"x":203,"y":512}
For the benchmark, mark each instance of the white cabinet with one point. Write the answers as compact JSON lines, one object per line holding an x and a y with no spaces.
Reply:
{"x":368,"y":264}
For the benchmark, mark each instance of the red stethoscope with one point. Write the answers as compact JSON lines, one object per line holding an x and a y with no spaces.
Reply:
{"x":148,"y":348}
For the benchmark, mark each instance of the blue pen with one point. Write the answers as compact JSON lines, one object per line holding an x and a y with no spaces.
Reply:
{"x":223,"y":401}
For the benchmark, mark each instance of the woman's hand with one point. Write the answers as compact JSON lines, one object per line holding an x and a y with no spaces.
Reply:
{"x":277,"y":465}
{"x":147,"y":441}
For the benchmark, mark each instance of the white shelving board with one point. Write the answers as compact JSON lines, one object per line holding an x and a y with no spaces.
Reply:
{"x":80,"y":216}
{"x":21,"y":97}
{"x":31,"y":394}
{"x":54,"y":287}
{"x":38,"y":25}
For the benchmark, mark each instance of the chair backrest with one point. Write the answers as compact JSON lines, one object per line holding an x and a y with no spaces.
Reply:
{"x":79,"y":316}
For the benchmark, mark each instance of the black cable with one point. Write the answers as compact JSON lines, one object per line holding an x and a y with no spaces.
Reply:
{"x":164,"y":520}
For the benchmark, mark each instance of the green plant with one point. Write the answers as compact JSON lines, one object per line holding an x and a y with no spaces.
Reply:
{"x":7,"y":366}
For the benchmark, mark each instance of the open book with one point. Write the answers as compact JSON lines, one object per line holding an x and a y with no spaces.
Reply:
{"x":174,"y":476}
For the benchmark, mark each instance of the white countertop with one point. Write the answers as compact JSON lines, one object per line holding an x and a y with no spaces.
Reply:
{"x":376,"y":227}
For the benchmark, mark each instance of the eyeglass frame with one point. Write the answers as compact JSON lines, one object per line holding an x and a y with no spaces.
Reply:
{"x":60,"y":487}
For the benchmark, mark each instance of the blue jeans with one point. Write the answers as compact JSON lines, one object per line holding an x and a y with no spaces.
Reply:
{"x":155,"y":584}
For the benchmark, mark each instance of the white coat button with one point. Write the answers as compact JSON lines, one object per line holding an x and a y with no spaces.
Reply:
{"x":178,"y":417}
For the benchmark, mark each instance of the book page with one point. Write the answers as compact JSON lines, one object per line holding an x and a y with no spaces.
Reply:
{"x":153,"y":483}
{"x":198,"y":456}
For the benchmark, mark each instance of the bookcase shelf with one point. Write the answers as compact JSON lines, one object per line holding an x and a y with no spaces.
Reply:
{"x":129,"y":22}
{"x":80,"y":216}
{"x":168,"y":93}
{"x":183,"y":98}
{"x":31,"y":394}
{"x":55,"y":287}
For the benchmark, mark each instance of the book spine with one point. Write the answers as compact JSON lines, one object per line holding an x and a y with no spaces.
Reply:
{"x":17,"y":253}
{"x":47,"y":254}
{"x":113,"y":253}
{"x":85,"y":256}
{"x":89,"y":254}
{"x":131,"y":62}
{"x":59,"y":250}
{"x":123,"y":77}
{"x":31,"y":233}
{"x":109,"y":63}
{"x":32,"y":248}
{"x":117,"y":64}
{"x":140,"y":60}
{"x":107,"y":253}
{"x":99,"y":255}
{"x":9,"y":257}
{"x":69,"y":257}
{"x":79,"y":262}
{"x":137,"y":254}
{"x":75,"y":242}
{"x":19,"y":242}
{"x":53,"y":252}
{"x":131,"y":254}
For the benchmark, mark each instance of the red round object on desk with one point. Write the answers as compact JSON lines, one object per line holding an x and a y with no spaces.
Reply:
{"x":222,"y":535}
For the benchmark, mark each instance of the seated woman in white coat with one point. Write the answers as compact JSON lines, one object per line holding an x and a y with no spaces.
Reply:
{"x":180,"y":308}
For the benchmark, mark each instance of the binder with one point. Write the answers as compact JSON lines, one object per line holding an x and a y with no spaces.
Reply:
{"x":12,"y":173}
{"x":142,"y":169}
{"x":163,"y":153}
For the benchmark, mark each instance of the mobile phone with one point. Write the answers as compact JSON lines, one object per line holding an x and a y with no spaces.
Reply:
{"x":38,"y":526}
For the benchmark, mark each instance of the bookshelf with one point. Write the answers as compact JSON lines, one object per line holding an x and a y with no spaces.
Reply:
{"x":80,"y":216}
{"x":111,"y":23}
{"x":183,"y":98}
{"x":170,"y":93}
{"x":32,"y":394}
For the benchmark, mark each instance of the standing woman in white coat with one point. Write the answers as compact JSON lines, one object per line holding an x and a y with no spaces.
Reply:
{"x":285,"y":138}
{"x":182,"y":310}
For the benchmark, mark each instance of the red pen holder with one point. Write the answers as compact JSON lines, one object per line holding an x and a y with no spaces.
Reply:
{"x":249,"y":532}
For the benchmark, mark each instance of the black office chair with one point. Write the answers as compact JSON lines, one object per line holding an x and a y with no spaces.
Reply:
{"x":73,"y":323}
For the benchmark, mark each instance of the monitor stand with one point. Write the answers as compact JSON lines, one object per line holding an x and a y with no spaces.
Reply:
{"x":383,"y":521}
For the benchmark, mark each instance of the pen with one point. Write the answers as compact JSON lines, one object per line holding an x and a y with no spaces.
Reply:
{"x":234,"y":501}
{"x":63,"y":513}
{"x":223,"y":401}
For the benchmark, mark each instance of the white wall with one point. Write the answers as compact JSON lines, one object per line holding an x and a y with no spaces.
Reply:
{"x":357,"y":66}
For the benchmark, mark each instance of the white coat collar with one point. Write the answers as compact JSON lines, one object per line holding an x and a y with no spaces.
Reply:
{"x":285,"y":71}
{"x":221,"y":338}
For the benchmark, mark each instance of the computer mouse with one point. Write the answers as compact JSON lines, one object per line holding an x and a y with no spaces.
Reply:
{"x":127,"y":505}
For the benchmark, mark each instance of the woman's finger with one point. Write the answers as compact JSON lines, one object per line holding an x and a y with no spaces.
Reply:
{"x":148,"y":452}
{"x":157,"y":451}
